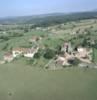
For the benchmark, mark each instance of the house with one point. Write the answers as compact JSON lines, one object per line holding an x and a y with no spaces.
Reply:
{"x":38,"y":28}
{"x":81,"y":49}
{"x":18,"y":51}
{"x":31,"y":52}
{"x":66,"y":47}
{"x":26,"y":52}
{"x":34,"y":39}
{"x":73,"y":33}
{"x":8,"y":57}
{"x":82,"y":52}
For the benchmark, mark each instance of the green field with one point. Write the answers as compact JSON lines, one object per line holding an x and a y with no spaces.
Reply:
{"x":30,"y":83}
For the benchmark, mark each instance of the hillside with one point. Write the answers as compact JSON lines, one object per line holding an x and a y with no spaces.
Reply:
{"x":49,"y":57}
{"x":53,"y":37}
{"x":49,"y":19}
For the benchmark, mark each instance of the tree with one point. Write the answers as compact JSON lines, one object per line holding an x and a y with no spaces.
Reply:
{"x":49,"y":53}
{"x":84,"y":43}
{"x":39,"y":54}
{"x":5,"y":38}
{"x":26,"y":30}
{"x":58,"y":49}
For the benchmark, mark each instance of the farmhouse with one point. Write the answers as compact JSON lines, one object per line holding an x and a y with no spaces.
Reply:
{"x":30,"y":52}
{"x":38,"y":28}
{"x":8,"y":57}
{"x":26,"y":52}
{"x":73,"y":33}
{"x":84,"y":54}
{"x":66,"y":48}
{"x":34,"y":39}
{"x":18,"y":51}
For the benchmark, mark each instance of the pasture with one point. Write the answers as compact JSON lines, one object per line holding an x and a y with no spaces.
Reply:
{"x":18,"y":82}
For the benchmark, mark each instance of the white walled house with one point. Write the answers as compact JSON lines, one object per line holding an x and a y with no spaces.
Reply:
{"x":26,"y":52}
{"x":80,"y":49}
{"x":82,"y":52}
{"x":8,"y":57}
{"x":18,"y":51}
{"x":31,"y":52}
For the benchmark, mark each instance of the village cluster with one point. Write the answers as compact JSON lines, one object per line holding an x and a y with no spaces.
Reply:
{"x":25,"y":52}
{"x":68,"y":55}
{"x":81,"y":53}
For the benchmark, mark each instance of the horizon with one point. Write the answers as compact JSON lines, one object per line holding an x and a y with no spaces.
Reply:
{"x":33,"y":15}
{"x":15,"y":8}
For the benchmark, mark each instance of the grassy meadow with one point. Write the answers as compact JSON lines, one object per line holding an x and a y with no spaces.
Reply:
{"x":19,"y":82}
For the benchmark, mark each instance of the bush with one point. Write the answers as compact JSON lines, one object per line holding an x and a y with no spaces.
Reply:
{"x":26,"y":30}
{"x":6,"y":38}
{"x":58,"y":49}
{"x":49,"y":53}
{"x":39,"y":54}
{"x":17,"y":34}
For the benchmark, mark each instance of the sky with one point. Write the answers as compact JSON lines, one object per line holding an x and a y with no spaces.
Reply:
{"x":33,"y":7}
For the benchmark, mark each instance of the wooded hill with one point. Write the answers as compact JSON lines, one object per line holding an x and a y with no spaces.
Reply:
{"x":49,"y":19}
